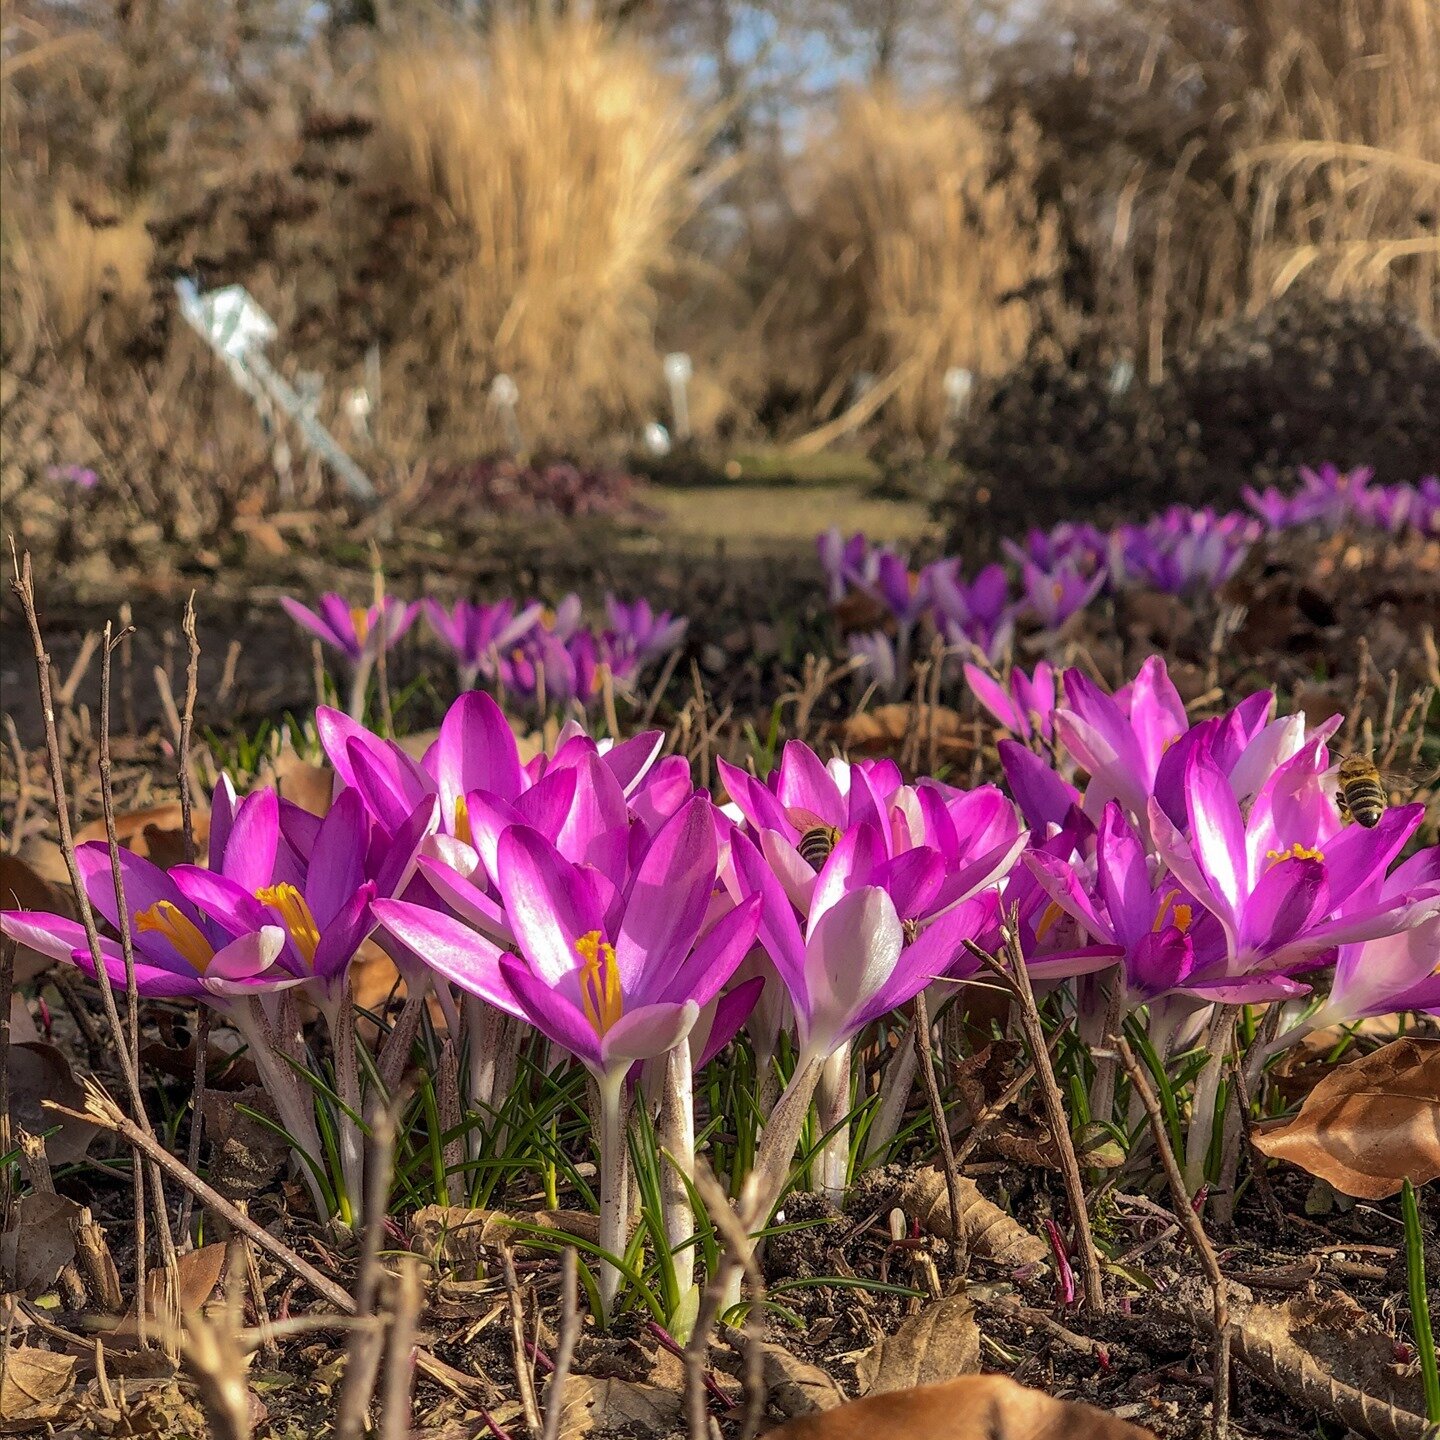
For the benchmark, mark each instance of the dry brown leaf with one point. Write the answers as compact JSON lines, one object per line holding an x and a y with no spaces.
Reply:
{"x":1370,"y":1124}
{"x":977,"y":1407}
{"x":460,"y":1236}
{"x":938,"y":1343}
{"x":155,"y":832}
{"x":988,"y":1231}
{"x":34,"y":1387}
{"x":22,"y":887}
{"x":887,"y":727}
{"x":42,"y":1072}
{"x":796,"y":1388}
{"x":41,"y":1243}
{"x":311,"y":787}
{"x":588,"y":1405}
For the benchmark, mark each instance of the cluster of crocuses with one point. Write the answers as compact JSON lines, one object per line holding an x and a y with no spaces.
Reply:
{"x":594,"y":894}
{"x":1058,"y":572}
{"x":546,"y":658}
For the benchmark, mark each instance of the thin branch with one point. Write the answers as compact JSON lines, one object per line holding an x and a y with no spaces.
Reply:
{"x":1186,"y":1214}
{"x":1016,"y":976}
{"x":565,"y":1350}
{"x":942,"y":1131}
{"x":524,"y":1376}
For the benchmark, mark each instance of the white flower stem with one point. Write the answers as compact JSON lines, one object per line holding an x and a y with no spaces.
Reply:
{"x":294,"y":1108}
{"x":614,"y":1185}
{"x":899,"y":1081}
{"x":677,"y":1135}
{"x":1207,"y":1091}
{"x":832,"y":1102}
{"x":339,"y":1012}
{"x":359,"y":684}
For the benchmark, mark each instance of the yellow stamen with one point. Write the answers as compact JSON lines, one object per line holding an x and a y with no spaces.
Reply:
{"x":600,"y":992}
{"x":1169,"y":913}
{"x":1296,"y":852}
{"x":547,"y":618}
{"x":1053,"y":911}
{"x":295,"y":914}
{"x":360,"y":619}
{"x":462,"y":821}
{"x":1058,"y":590}
{"x":1184,"y":917}
{"x":163,"y":918}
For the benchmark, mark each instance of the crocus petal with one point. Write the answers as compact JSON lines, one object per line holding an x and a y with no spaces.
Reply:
{"x":249,"y":856}
{"x":1217,"y":830}
{"x":997,"y":700}
{"x":851,"y":953}
{"x":337,"y":863}
{"x":450,"y":948}
{"x":667,"y":898}
{"x":345,"y":933}
{"x":54,"y":936}
{"x":805,"y":784}
{"x":317,"y":626}
{"x":247,"y":956}
{"x":549,"y":903}
{"x":631,"y":759}
{"x":1043,"y":797}
{"x":1290,"y":895}
{"x":552,"y":1014}
{"x":1123,"y":877}
{"x":731,"y":1011}
{"x":647,"y":1031}
{"x":475,"y":750}
{"x":714,"y":960}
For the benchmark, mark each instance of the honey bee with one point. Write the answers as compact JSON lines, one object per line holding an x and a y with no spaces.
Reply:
{"x":816,"y":842}
{"x":1361,"y":796}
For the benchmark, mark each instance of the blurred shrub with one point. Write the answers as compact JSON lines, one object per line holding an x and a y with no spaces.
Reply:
{"x":916,"y":244}
{"x":558,"y":164}
{"x":1311,"y":381}
{"x":1207,"y":154}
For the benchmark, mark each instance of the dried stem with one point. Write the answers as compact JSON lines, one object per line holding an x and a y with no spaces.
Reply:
{"x":397,"y":1409}
{"x":1185,"y":1213}
{"x":7,"y":989}
{"x":524,"y":1376}
{"x":565,"y":1350}
{"x":362,"y":1356}
{"x":187,"y":724}
{"x":1016,"y":977}
{"x":942,"y":1128}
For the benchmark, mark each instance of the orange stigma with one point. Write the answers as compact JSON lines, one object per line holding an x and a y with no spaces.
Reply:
{"x":599,"y":982}
{"x":289,"y":904}
{"x":163,"y":918}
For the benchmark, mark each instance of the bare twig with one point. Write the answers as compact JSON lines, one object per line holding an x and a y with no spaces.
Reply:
{"x":362,"y":1355}
{"x":197,"y":1113}
{"x":24,"y":791}
{"x":942,"y":1130}
{"x":7,"y":989}
{"x":1017,"y":977}
{"x":187,"y":724}
{"x":565,"y":1350}
{"x":1186,"y":1214}
{"x":397,"y":1408}
{"x":524,"y":1375}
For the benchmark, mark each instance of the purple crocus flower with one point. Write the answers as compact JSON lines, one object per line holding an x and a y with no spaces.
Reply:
{"x":613,"y":974}
{"x":356,"y":631}
{"x":1281,"y":899}
{"x":180,"y":952}
{"x":480,"y":635}
{"x":979,"y":614}
{"x":1023,"y":704}
{"x":1053,"y":596}
{"x":635,"y":630}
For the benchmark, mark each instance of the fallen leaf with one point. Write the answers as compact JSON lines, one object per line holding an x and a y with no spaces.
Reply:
{"x":198,"y":1273}
{"x":33,"y":1387}
{"x":155,"y":832}
{"x":887,"y":727}
{"x":460,"y":1236}
{"x":311,"y":787}
{"x":41,"y":1243}
{"x":42,"y":1072}
{"x":589,"y":1405}
{"x":938,"y":1343}
{"x":988,"y":1231}
{"x":794,"y":1387}
{"x":976,"y":1407}
{"x":22,"y":887}
{"x":1369,"y":1124}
